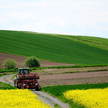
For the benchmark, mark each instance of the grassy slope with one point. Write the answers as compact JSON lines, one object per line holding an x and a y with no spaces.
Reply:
{"x":94,"y":41}
{"x":60,"y":48}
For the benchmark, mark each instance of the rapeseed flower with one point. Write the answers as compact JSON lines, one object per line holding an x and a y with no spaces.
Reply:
{"x":91,"y":98}
{"x":17,"y":98}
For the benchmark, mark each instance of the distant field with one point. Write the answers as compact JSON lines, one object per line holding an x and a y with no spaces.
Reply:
{"x":59,"y":48}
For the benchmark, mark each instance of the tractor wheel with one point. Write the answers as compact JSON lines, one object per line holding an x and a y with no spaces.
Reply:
{"x":18,"y":86}
{"x":15,"y":82}
{"x":36,"y":88}
{"x":22,"y":86}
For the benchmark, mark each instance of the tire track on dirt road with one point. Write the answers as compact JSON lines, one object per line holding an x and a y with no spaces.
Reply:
{"x":41,"y":95}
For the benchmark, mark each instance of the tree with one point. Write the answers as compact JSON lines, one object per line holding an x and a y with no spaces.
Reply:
{"x":10,"y":63}
{"x":32,"y":62}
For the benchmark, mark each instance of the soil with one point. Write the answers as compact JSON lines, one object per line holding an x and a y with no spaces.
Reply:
{"x":21,"y":59}
{"x":74,"y":78}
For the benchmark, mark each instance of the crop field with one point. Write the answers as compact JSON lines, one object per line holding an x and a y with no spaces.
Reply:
{"x":58,"y":48}
{"x":91,"y":98}
{"x":11,"y":97}
{"x":81,"y":96}
{"x":20,"y":99}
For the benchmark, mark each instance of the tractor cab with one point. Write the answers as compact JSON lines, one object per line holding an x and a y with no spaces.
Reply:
{"x":23,"y":70}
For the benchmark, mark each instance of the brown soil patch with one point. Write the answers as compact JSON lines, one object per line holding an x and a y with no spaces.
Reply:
{"x":21,"y":59}
{"x":74,"y":78}
{"x":69,"y":70}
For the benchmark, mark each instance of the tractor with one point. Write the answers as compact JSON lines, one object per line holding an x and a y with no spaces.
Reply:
{"x":25,"y":79}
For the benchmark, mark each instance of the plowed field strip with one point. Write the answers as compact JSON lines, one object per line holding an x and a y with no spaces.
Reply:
{"x":74,"y":78}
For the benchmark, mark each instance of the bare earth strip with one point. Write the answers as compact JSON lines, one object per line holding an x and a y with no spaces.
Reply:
{"x":74,"y":78}
{"x":69,"y":70}
{"x":21,"y":59}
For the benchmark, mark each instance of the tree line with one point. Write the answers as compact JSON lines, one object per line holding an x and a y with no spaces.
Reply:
{"x":29,"y":62}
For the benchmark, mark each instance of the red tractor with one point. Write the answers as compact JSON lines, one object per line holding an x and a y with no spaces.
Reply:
{"x":25,"y":79}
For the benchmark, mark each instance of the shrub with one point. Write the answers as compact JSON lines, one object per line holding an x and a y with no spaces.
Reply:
{"x":10,"y":63}
{"x":32,"y":62}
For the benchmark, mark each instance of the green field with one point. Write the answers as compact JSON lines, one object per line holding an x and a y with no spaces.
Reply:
{"x":5,"y":86}
{"x":57,"y":91}
{"x":59,"y":48}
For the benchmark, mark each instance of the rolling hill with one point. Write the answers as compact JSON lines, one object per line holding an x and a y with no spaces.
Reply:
{"x":54,"y":47}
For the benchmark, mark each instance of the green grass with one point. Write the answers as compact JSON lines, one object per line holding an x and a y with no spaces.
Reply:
{"x":8,"y":70}
{"x":57,"y":91}
{"x":4,"y":74}
{"x":59,"y":48}
{"x":7,"y":73}
{"x":5,"y":86}
{"x":13,"y":77}
{"x":56,"y":67}
{"x":57,"y":106}
{"x":74,"y":66}
{"x":94,"y":41}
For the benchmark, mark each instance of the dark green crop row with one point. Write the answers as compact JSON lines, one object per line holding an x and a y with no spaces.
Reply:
{"x":52,"y":47}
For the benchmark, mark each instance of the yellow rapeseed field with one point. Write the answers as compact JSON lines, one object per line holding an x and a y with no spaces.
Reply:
{"x":91,"y":98}
{"x":20,"y":99}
